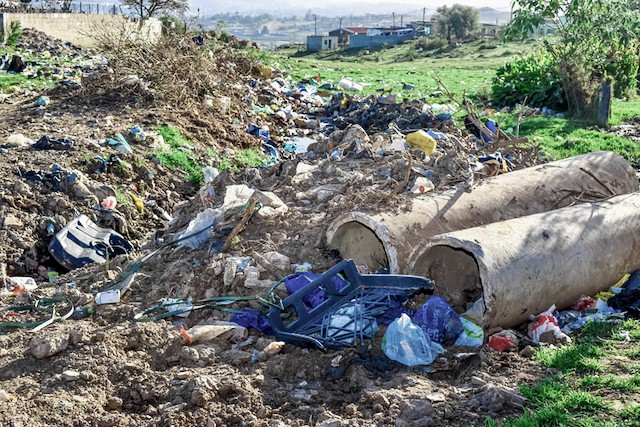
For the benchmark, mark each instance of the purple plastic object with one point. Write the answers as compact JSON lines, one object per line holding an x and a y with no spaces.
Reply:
{"x":299,"y":280}
{"x":250,"y":318}
{"x":439,"y":321}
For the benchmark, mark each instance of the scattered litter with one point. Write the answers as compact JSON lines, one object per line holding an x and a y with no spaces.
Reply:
{"x":204,"y":333}
{"x":407,"y":343}
{"x":48,"y":143}
{"x":505,"y":340}
{"x":545,"y":328}
{"x":439,"y":321}
{"x":81,"y":242}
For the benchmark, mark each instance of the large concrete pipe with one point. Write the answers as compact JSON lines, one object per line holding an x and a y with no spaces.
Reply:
{"x":387,"y":239}
{"x":522,"y":266}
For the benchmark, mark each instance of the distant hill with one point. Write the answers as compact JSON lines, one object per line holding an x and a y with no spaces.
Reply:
{"x":327,"y":8}
{"x":300,"y":8}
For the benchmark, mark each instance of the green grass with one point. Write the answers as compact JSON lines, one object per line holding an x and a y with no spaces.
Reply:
{"x":596,"y":383}
{"x":181,"y":156}
{"x":242,"y":159}
{"x":18,"y":81}
{"x":466,"y":69}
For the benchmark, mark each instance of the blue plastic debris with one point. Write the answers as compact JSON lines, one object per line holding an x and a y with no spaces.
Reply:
{"x":81,"y":242}
{"x":439,"y":321}
{"x":301,"y":320}
{"x":250,"y":318}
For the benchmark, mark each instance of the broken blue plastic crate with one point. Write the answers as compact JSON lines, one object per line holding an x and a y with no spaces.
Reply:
{"x":297,"y":323}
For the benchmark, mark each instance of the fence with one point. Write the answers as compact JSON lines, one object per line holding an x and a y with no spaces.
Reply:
{"x":73,"y":7}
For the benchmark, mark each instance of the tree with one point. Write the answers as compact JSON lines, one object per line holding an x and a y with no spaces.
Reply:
{"x":594,"y":40}
{"x":458,"y":21}
{"x":145,"y":9}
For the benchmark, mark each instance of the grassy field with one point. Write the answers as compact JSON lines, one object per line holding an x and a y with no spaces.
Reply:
{"x":467,"y":69}
{"x":594,"y":382}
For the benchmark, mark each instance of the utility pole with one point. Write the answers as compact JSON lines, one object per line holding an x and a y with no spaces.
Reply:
{"x":424,"y":11}
{"x":393,"y":16}
{"x":401,"y":19}
{"x":315,"y":25}
{"x":340,"y":23}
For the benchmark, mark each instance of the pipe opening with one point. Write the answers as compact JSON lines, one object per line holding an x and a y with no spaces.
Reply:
{"x":456,"y":275}
{"x":356,"y":241}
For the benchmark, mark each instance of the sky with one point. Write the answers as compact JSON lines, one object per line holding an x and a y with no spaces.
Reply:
{"x":496,"y":4}
{"x":336,"y":7}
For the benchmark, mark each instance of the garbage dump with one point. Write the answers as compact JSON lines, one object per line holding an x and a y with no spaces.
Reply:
{"x":388,"y":239}
{"x":200,"y":288}
{"x":504,"y":272}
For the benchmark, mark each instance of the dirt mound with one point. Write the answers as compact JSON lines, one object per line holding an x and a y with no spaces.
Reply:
{"x":39,"y":42}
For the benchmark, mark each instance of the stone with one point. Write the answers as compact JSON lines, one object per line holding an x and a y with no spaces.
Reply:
{"x":527,"y":351}
{"x":415,"y":409}
{"x":237,"y":357}
{"x":477,"y":381}
{"x":182,"y":375}
{"x":48,"y":346}
{"x":278,"y":260}
{"x":188,"y":355}
{"x":436,"y":397}
{"x":12,"y":221}
{"x":114,"y":403}
{"x":70,"y":375}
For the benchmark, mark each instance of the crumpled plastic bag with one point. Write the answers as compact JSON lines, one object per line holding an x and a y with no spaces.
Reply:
{"x":439,"y":321}
{"x":471,"y":336}
{"x":546,"y":322}
{"x":406,"y":343}
{"x":197,"y":227}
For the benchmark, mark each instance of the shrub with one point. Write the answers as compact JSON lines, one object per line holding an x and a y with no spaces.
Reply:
{"x":431,"y":44}
{"x":534,"y":76}
{"x":15,"y":32}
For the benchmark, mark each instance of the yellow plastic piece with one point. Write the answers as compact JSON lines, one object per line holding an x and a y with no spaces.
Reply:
{"x":137,"y":201}
{"x":621,"y":282}
{"x":422,"y":140}
{"x":604,"y":296}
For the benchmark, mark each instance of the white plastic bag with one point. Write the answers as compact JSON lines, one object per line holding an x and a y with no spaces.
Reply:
{"x":407,"y":343}
{"x":205,"y":219}
{"x":471,"y":336}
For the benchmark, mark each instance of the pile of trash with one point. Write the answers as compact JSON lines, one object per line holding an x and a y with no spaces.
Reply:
{"x":40,"y":43}
{"x":38,"y":56}
{"x":167,"y":302}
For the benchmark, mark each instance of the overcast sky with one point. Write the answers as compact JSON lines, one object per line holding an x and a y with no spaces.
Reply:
{"x":496,"y":4}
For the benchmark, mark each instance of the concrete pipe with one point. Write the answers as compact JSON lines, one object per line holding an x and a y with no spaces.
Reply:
{"x":522,"y":266}
{"x":387,"y":239}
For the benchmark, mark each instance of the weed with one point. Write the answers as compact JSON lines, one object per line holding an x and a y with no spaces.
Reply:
{"x":581,"y":358}
{"x":122,"y":197}
{"x":178,"y":157}
{"x":631,"y":415}
{"x":173,"y":137}
{"x":241,"y":159}
{"x":15,"y":32}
